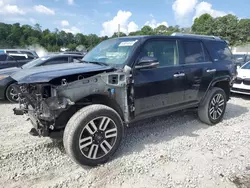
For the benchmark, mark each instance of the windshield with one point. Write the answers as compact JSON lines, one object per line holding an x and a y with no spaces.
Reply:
{"x":112,"y":52}
{"x":35,"y":62}
{"x":246,"y":66}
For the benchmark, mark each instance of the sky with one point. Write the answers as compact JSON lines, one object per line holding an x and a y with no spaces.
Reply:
{"x":102,"y":17}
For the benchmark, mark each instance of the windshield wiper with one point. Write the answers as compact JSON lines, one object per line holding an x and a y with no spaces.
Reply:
{"x":98,"y":63}
{"x":94,"y":62}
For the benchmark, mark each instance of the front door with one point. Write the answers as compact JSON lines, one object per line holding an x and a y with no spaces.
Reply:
{"x":160,"y":88}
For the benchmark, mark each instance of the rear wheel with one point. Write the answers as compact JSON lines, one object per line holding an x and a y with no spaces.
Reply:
{"x":212,"y":110}
{"x":11,"y":94}
{"x":93,"y":134}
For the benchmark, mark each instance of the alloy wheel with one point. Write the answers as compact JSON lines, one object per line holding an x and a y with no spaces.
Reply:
{"x":98,"y":138}
{"x":12,"y":95}
{"x":217,"y":106}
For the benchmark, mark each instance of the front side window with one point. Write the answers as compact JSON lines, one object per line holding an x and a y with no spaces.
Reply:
{"x":112,"y":52}
{"x":58,"y":60}
{"x":165,"y":51}
{"x":35,"y":62}
{"x":194,"y":52}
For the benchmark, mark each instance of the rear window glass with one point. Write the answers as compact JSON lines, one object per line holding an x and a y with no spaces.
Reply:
{"x":219,"y":51}
{"x":194,"y":52}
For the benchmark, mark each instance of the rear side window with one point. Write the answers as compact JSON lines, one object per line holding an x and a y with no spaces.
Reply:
{"x":219,"y":51}
{"x":194,"y":52}
{"x":12,"y":52}
{"x":19,"y":57}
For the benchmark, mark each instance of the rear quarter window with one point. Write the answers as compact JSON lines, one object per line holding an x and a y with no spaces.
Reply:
{"x":219,"y":51}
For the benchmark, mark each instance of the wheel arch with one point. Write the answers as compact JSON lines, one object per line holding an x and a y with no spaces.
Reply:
{"x":64,"y":117}
{"x":104,"y":100}
{"x":221,"y":82}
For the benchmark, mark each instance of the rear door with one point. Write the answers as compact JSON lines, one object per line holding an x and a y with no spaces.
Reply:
{"x":198,"y":68}
{"x":158,"y":89}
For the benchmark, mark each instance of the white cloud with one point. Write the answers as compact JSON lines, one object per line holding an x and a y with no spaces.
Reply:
{"x":7,"y":9}
{"x":121,"y":18}
{"x":205,"y":7}
{"x":73,"y":30}
{"x":132,"y":27}
{"x":154,"y":24}
{"x":182,"y":10}
{"x":44,"y":10}
{"x":64,"y":23}
{"x":70,"y":2}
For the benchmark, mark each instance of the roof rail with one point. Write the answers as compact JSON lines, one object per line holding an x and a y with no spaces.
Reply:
{"x":194,"y":35}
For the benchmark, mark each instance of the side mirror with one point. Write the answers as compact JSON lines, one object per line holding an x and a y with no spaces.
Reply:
{"x":147,"y":63}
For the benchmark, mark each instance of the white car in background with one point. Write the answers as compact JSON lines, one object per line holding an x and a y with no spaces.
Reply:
{"x":242,"y":82}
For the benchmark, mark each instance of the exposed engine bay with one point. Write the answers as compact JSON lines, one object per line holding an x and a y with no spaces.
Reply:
{"x":50,"y":105}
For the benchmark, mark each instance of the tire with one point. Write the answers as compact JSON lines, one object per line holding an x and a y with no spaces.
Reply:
{"x":90,"y":132}
{"x":11,"y":95}
{"x":212,"y":111}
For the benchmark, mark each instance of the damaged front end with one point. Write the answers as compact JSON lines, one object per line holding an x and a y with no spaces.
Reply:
{"x":42,"y":105}
{"x":50,"y":105}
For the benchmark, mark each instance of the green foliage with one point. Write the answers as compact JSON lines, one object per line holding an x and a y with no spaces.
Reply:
{"x":229,"y":27}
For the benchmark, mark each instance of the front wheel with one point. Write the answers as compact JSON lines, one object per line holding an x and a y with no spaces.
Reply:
{"x":93,"y":134}
{"x":11,"y":94}
{"x":212,"y":110}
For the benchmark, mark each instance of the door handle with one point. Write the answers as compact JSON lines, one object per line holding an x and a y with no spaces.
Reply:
{"x":211,"y":70}
{"x":179,"y":75}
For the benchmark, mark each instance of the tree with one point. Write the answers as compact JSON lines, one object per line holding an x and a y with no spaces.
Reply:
{"x":243,"y":31}
{"x":147,"y":30}
{"x":116,"y":34}
{"x":161,"y":29}
{"x":203,"y":25}
{"x":226,"y":27}
{"x":229,"y":27}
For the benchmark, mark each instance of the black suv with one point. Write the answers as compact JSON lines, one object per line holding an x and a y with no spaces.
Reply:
{"x":124,"y":80}
{"x":14,"y":60}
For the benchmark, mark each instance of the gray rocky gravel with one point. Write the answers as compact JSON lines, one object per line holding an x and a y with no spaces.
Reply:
{"x":174,"y":150}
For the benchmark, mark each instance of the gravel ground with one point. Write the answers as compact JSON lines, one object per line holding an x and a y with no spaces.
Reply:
{"x":176,"y":150}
